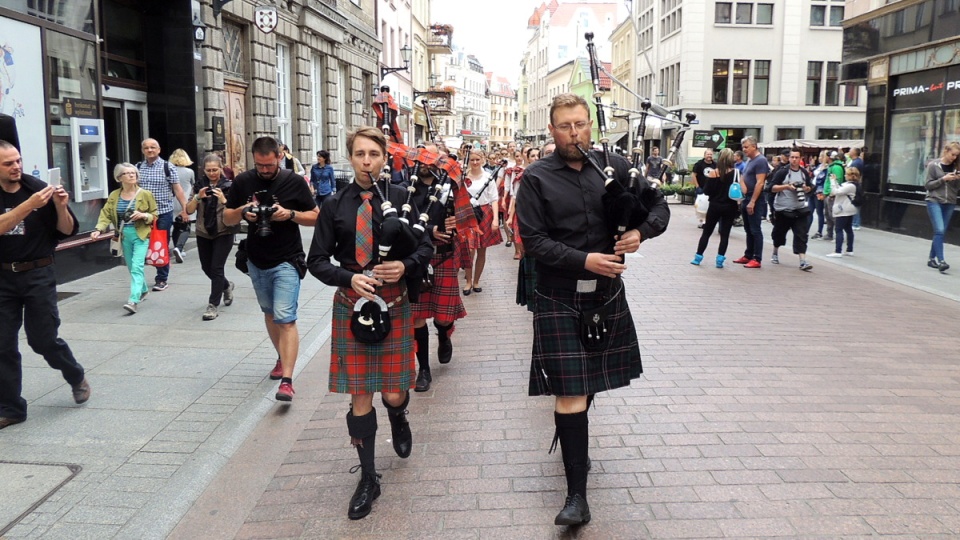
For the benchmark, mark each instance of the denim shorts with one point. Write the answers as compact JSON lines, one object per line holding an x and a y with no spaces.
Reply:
{"x":278,"y":290}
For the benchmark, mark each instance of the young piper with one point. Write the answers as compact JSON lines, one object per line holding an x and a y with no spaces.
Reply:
{"x":349,"y":231}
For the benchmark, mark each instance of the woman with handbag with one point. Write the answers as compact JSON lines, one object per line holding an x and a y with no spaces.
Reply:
{"x":372,"y":342}
{"x":722,"y":209}
{"x":484,"y":198}
{"x":214,"y":239}
{"x":130,"y":211}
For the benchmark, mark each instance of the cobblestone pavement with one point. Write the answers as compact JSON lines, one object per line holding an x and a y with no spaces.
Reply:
{"x":774,"y":402}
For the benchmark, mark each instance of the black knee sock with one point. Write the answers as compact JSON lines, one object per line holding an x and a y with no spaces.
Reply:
{"x":422,"y":337}
{"x":443,"y":332}
{"x":399,"y":409}
{"x":287,"y":380}
{"x":363,"y":436}
{"x":573,"y":432}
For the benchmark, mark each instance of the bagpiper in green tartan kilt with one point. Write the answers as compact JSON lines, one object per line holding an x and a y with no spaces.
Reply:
{"x":560,"y":366}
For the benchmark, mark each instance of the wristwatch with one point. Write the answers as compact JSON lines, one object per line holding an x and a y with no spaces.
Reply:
{"x":293,"y":215}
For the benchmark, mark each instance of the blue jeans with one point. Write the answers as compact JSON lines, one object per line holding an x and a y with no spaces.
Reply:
{"x":856,"y":219}
{"x":165,"y":222}
{"x":844,"y":227}
{"x":134,"y":254}
{"x":278,"y":290}
{"x":940,"y":215}
{"x":751,"y":225}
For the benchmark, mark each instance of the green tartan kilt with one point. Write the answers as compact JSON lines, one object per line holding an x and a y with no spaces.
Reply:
{"x":361,"y":368}
{"x":560,"y":366}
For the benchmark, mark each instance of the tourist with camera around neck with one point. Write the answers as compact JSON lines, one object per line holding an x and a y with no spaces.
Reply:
{"x":214,"y":237}
{"x":275,"y":202}
{"x":790,"y":186}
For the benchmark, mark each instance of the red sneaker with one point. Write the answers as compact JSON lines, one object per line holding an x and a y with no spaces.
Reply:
{"x":741,"y":260}
{"x":277,"y":373}
{"x":752,"y":264}
{"x":285,"y":392}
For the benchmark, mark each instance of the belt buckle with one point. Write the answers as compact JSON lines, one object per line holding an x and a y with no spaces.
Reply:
{"x":586,"y":285}
{"x":13,"y":267}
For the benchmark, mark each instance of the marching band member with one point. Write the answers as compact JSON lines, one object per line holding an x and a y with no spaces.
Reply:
{"x":483,"y":195}
{"x":361,"y":365}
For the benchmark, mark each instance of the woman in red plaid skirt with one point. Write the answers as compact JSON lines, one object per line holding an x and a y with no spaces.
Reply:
{"x":347,"y":230}
{"x":483,"y":195}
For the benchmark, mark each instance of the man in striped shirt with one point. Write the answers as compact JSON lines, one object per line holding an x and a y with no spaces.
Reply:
{"x":158,"y":177}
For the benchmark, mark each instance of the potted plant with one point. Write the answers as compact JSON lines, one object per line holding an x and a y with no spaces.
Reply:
{"x":669,"y":190}
{"x":687,"y":193}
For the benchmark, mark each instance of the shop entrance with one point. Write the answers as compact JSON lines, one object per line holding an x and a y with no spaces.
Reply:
{"x":125,"y":124}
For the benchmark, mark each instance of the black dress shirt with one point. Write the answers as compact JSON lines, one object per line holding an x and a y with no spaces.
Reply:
{"x":336,"y":237}
{"x":562,"y":217}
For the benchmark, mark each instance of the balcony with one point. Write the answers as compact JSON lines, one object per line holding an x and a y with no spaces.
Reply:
{"x":440,"y":39}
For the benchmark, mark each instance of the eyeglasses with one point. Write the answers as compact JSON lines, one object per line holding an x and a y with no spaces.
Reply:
{"x":128,"y":172}
{"x":568,"y":128}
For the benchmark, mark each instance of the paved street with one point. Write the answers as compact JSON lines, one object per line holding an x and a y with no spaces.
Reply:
{"x":773,"y":403}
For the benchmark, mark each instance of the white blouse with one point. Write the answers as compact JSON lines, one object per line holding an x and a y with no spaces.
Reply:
{"x":489,"y":195}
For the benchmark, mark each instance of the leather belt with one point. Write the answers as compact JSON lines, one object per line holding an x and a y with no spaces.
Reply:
{"x":600,"y":284}
{"x":24,"y":266}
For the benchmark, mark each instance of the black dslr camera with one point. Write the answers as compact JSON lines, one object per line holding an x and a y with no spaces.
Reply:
{"x":801,"y":194}
{"x":264,"y":210}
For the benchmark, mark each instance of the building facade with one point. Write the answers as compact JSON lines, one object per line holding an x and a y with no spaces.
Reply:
{"x":86,"y":90}
{"x":907,"y":55}
{"x":504,"y":112}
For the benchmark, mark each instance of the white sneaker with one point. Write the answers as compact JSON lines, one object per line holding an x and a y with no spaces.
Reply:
{"x":130,"y":307}
{"x":856,"y":228}
{"x":178,"y":255}
{"x":835,"y":255}
{"x":849,"y":254}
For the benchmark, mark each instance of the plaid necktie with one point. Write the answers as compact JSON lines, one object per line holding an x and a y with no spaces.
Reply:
{"x":365,"y":230}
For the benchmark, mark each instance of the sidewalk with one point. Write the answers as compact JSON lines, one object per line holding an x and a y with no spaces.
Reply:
{"x":820,"y":404}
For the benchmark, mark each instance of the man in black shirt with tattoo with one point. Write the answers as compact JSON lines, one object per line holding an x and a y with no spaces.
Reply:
{"x":274,"y":257}
{"x":34,"y":217}
{"x":579,"y":292}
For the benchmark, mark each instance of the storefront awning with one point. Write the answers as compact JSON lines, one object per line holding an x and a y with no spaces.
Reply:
{"x":813,"y":144}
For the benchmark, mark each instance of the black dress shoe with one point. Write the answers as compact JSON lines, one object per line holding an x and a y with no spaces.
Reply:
{"x":423,"y":381}
{"x":478,"y":289}
{"x":368,"y":489}
{"x":7,"y":422}
{"x":466,"y":292}
{"x":402,"y":437}
{"x":445,"y":351}
{"x":575,"y":511}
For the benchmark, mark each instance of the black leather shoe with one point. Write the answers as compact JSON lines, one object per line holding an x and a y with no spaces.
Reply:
{"x":423,"y":381}
{"x":402,"y":437}
{"x":445,"y":351}
{"x":368,"y":489}
{"x":575,"y":511}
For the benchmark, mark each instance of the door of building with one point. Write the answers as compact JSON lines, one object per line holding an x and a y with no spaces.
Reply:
{"x":236,"y":111}
{"x":125,"y":126}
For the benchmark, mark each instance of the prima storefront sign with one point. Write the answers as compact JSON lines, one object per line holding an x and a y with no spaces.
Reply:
{"x":927,"y":89}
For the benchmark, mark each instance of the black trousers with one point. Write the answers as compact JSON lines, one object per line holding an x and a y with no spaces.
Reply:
{"x":797,"y":224}
{"x":30,"y":299}
{"x":725,"y":216}
{"x":213,"y":257}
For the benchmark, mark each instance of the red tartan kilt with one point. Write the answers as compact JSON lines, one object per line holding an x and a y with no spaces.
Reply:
{"x":443,"y":301}
{"x":489,"y":236}
{"x":461,"y":252}
{"x":361,"y":368}
{"x":515,"y":227}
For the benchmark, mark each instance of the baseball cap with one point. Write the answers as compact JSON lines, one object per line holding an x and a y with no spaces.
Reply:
{"x":834,"y":155}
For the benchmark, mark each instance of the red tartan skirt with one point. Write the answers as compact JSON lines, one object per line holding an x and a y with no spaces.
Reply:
{"x":442,"y":302}
{"x":488,"y":236}
{"x":361,"y":368}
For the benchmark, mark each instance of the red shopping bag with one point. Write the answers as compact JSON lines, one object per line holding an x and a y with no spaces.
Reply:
{"x":158,"y":253}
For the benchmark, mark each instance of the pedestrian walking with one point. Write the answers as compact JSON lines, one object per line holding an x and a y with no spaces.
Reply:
{"x":483,"y":196}
{"x":181,"y":226}
{"x":34,"y":217}
{"x":131,"y":211}
{"x":160,"y":179}
{"x":942,"y":187}
{"x":580,"y":296}
{"x":722,"y":209}
{"x":322,"y":177}
{"x":214,"y":237}
{"x":368,"y":354}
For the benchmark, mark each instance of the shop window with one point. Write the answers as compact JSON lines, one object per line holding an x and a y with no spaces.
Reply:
{"x":734,"y":135}
{"x":761,"y":82}
{"x":913,"y":144}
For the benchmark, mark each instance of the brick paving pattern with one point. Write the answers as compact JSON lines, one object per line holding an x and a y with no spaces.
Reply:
{"x":773,"y":403}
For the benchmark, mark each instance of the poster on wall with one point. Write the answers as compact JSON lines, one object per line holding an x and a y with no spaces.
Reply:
{"x":21,"y":90}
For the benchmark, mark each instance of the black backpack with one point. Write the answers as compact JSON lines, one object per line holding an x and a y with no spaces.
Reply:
{"x":858,"y":196}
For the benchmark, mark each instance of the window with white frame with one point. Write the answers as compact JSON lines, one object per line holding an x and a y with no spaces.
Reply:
{"x":826,"y":13}
{"x":284,"y":130}
{"x":343,"y":117}
{"x":316,"y":102}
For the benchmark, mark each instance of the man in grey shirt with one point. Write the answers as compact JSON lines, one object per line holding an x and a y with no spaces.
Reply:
{"x":791,"y":186}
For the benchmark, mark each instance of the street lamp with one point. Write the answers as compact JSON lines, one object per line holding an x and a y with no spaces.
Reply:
{"x":433,"y":79}
{"x":405,"y":55}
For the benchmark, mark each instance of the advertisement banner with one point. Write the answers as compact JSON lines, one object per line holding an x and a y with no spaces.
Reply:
{"x":21,"y":90}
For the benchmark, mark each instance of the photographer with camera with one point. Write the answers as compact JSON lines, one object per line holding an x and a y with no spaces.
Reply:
{"x":790,"y":186}
{"x":275,"y":202}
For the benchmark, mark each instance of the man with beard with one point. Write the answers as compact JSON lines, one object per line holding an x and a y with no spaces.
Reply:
{"x":579,"y":290}
{"x":701,"y":170}
{"x":276,"y":260}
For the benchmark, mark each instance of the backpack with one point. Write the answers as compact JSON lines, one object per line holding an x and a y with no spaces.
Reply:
{"x":858,"y":197}
{"x":166,"y":167}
